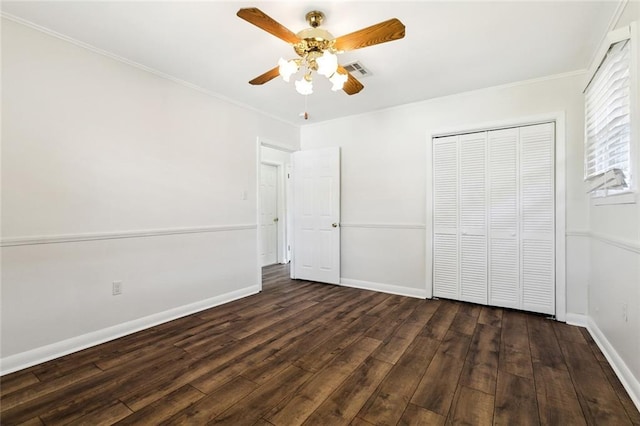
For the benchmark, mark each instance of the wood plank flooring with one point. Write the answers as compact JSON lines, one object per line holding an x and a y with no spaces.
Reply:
{"x":317,"y":354}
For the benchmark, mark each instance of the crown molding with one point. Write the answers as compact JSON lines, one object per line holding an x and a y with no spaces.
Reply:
{"x":454,"y":96}
{"x":138,"y":65}
{"x":598,"y":53}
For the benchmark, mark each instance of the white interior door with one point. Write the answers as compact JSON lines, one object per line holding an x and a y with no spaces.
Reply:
{"x":316,"y":215}
{"x":268,"y":214}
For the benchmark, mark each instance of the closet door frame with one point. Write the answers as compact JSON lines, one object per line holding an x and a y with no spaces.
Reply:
{"x":560,"y":191}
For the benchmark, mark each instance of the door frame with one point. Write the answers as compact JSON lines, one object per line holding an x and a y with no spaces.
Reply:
{"x":283,"y":226}
{"x":559,"y":119}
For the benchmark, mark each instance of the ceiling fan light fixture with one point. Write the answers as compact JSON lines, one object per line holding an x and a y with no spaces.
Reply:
{"x":287,"y":68}
{"x":317,"y":49}
{"x":327,"y":64}
{"x":338,"y":81}
{"x":304,"y":86}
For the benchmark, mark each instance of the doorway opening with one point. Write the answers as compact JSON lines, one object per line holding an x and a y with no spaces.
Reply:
{"x":274,"y":204}
{"x":299,"y":219}
{"x":270,"y":193}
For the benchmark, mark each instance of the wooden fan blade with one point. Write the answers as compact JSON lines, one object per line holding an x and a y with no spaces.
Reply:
{"x":383,"y":32}
{"x":352,"y":85}
{"x":266,"y":77}
{"x":260,"y":19}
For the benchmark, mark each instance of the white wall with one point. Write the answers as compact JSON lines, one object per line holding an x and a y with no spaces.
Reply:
{"x":614,"y":273}
{"x":95,"y":149}
{"x":384,"y":172}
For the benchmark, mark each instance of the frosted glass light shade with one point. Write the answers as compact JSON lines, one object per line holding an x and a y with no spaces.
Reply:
{"x":304,"y":87}
{"x":327,"y":63}
{"x":338,"y":81}
{"x":287,"y":69}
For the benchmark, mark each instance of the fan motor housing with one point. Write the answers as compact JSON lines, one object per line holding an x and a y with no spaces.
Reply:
{"x":313,"y":40}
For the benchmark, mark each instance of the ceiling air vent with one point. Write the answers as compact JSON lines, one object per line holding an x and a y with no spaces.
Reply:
{"x":357,"y":69}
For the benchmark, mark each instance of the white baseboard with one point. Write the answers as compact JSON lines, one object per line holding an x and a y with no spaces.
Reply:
{"x":45,"y":353}
{"x":580,"y":320}
{"x":385,"y":288}
{"x":630,"y":383}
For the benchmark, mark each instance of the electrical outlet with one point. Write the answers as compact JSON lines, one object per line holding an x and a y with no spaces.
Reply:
{"x":116,"y":288}
{"x":625,"y":312}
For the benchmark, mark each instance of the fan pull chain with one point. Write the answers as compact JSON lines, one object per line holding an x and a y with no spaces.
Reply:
{"x":305,"y":114}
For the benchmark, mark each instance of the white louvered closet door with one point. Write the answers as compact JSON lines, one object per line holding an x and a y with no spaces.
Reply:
{"x":494,"y":218}
{"x":537,"y":223}
{"x":445,"y":218}
{"x":504,"y":257}
{"x":473,"y":217}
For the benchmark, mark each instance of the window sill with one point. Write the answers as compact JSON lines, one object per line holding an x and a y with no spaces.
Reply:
{"x":625,"y":198}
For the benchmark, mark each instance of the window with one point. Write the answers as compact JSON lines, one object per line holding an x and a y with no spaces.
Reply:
{"x":608,"y":159}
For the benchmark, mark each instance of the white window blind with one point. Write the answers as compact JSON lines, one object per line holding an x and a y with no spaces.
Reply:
{"x":608,"y":124}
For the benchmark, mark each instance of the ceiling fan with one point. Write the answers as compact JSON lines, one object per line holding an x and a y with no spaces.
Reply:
{"x":316,"y":49}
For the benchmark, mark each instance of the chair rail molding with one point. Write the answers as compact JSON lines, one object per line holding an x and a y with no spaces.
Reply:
{"x":383,"y":225}
{"x":633,"y":246}
{"x":141,"y":233}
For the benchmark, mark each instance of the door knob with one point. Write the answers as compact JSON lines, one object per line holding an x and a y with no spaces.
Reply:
{"x":335,"y":225}
{"x":276,"y":219}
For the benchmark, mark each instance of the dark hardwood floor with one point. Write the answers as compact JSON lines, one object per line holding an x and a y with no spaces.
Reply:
{"x":317,"y":354}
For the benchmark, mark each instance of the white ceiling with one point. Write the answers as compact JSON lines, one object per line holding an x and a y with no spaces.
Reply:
{"x":450,"y":47}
